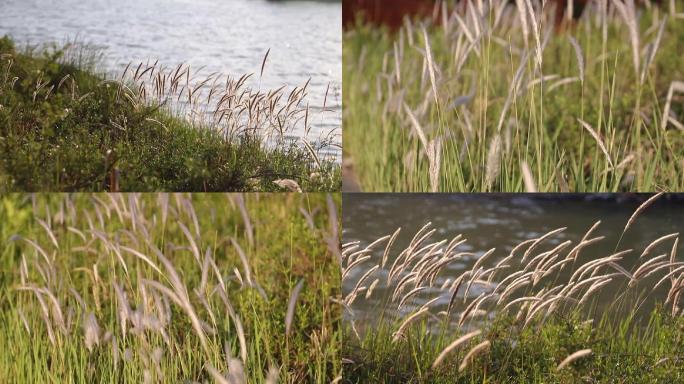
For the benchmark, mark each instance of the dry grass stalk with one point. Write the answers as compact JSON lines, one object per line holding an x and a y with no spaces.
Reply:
{"x":596,"y":137}
{"x":640,"y":209}
{"x":418,"y":129}
{"x":528,"y":179}
{"x":291,"y":306}
{"x":493,"y":165}
{"x":628,"y":13}
{"x":674,"y":86}
{"x":657,"y":241}
{"x":385,"y":254}
{"x":480,"y":348}
{"x":454,"y":345}
{"x":218,"y":376}
{"x":654,"y":48}
{"x":240,"y":201}
{"x":578,"y":55}
{"x":431,"y":67}
{"x":399,"y":333}
{"x":434,"y":151}
{"x":673,"y":255}
{"x":572,"y":357}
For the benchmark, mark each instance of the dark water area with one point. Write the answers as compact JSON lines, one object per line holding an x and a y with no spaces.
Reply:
{"x":503,"y":221}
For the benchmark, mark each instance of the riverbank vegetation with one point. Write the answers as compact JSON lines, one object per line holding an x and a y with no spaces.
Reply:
{"x":66,"y":127}
{"x":496,"y":97}
{"x":440,"y":311}
{"x":159,"y":288}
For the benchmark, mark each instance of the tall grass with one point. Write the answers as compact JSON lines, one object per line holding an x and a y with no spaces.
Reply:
{"x":517,"y":104}
{"x":544,"y":312}
{"x":65,"y":126}
{"x":168,"y":288}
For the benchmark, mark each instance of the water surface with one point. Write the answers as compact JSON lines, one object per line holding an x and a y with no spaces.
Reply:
{"x":226,"y":36}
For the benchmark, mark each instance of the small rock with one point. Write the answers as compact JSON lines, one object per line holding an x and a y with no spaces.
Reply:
{"x":288,"y":184}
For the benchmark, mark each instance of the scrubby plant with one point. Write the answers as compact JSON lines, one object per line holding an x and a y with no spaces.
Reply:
{"x":63,"y":126}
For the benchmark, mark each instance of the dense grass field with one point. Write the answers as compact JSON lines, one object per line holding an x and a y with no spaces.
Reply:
{"x":157,"y":288}
{"x":495,"y":98}
{"x":65,"y":127}
{"x":547,"y":312}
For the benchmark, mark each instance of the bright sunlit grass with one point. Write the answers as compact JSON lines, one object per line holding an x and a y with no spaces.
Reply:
{"x":169,"y":288}
{"x":498,"y":100}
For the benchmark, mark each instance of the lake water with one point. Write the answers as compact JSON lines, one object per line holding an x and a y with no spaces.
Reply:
{"x":226,"y":36}
{"x":501,"y":222}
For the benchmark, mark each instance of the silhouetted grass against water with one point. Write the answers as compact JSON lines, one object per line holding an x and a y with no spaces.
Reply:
{"x":558,"y":307}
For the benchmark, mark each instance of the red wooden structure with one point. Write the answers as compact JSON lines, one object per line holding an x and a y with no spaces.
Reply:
{"x":391,"y":13}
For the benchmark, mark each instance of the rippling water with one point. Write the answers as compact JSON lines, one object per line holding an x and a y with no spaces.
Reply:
{"x":228,"y":36}
{"x":501,"y":222}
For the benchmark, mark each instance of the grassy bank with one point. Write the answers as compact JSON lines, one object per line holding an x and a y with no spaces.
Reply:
{"x":621,"y":352}
{"x":63,"y":127}
{"x":441,"y":310}
{"x":168,"y":288}
{"x":499,"y":100}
